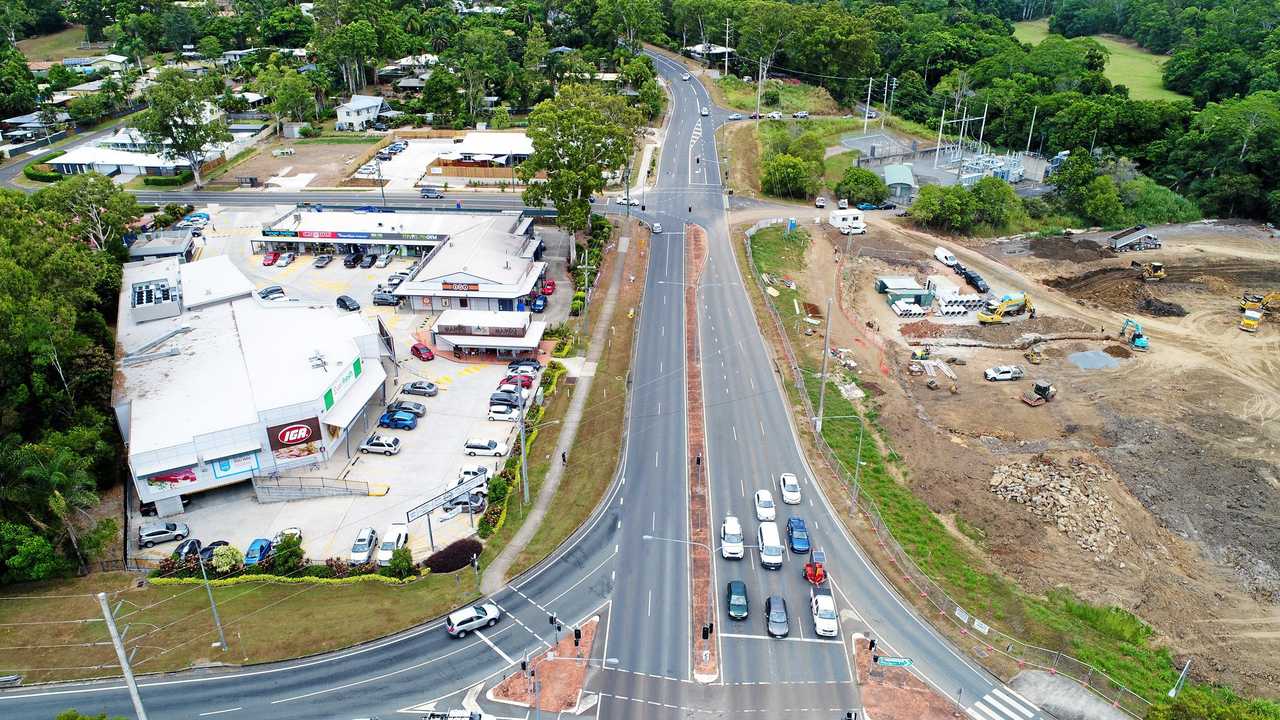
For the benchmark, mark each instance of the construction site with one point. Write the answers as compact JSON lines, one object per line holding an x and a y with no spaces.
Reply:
{"x":1090,"y":413}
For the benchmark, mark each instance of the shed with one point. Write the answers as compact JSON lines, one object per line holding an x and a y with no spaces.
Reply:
{"x":900,"y":179}
{"x":903,"y":288}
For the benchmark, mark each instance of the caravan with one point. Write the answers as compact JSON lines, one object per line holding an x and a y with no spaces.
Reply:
{"x":848,"y":221}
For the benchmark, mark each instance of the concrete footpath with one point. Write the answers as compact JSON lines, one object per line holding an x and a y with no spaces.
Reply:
{"x":495,"y":576}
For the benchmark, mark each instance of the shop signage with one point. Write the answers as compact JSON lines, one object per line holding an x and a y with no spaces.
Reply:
{"x":344,"y":381}
{"x":464,"y":287}
{"x":171,"y":478}
{"x":234,"y":465}
{"x":344,"y":235}
{"x":295,"y":440}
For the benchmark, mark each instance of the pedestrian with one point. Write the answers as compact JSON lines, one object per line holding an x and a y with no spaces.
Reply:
{"x":564,"y":456}
{"x":871,"y":646}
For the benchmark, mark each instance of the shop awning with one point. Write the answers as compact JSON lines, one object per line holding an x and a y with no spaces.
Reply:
{"x":349,"y":406}
{"x":231,"y":450}
{"x":170,"y":461}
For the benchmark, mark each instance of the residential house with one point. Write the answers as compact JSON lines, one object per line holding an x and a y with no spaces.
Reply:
{"x":231,"y":57}
{"x":361,"y":111}
{"x":82,"y":65}
{"x":107,"y":64}
{"x":39,"y":68}
{"x":93,"y":87}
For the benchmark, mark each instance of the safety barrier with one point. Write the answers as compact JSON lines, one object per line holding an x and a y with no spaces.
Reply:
{"x":275,"y":488}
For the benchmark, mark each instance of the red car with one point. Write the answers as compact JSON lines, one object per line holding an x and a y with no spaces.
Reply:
{"x":548,"y":287}
{"x":524,"y":381}
{"x":422,"y":352}
{"x":270,"y":258}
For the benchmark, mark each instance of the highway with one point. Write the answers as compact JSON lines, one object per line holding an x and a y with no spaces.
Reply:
{"x":639,"y":587}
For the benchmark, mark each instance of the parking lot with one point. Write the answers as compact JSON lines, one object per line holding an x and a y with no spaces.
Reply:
{"x":405,"y":169}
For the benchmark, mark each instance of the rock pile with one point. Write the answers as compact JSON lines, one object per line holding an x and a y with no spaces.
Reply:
{"x":1072,"y":496}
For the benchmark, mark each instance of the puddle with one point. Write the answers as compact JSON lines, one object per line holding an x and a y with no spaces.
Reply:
{"x":1093,"y":360}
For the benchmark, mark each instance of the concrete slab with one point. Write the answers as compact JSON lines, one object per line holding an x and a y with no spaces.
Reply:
{"x":1063,"y":697}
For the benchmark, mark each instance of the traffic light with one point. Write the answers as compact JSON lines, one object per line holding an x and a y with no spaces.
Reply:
{"x":706,"y":632}
{"x":577,"y":636}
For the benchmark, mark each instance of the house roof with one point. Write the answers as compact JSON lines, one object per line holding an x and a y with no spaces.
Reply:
{"x":493,"y":143}
{"x":91,"y":86}
{"x":359,"y":102}
{"x":113,"y":58}
{"x":899,"y":175}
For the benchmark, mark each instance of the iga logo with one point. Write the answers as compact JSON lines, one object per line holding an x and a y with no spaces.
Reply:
{"x":294,"y":434}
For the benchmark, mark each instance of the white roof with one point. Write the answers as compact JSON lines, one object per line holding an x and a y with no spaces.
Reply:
{"x":357,"y":396}
{"x":483,"y":318}
{"x":94,"y":155}
{"x":211,"y":280}
{"x":250,"y":97}
{"x":529,"y":341}
{"x":480,"y":142}
{"x":118,"y":59}
{"x":361,"y":101}
{"x":708,"y":49}
{"x":490,"y":261}
{"x":898,"y":283}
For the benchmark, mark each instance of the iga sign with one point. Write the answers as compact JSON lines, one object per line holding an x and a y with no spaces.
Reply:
{"x":457,"y":286}
{"x":295,"y":440}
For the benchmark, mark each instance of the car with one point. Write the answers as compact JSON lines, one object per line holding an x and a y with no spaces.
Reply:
{"x":887,"y":206}
{"x":363,"y":548}
{"x":481,"y":446}
{"x":463,"y":621}
{"x":413,"y":408}
{"x":623,"y":200}
{"x":398,"y":421}
{"x":270,"y":258}
{"x":367,"y":261}
{"x":322,"y":261}
{"x":507,"y":397}
{"x":960,"y":270}
{"x":430,"y":193}
{"x":384,"y":444}
{"x":473,"y":503}
{"x":800,"y":114}
{"x":843,"y":204}
{"x":754,"y":116}
{"x":527,"y":362}
{"x":765,"y":509}
{"x":525,"y":369}
{"x":735,"y":596}
{"x":206,"y":552}
{"x":422,"y":352}
{"x":187,"y":548}
{"x":259,"y":550}
{"x":539,"y":304}
{"x":348,"y":303}
{"x":820,"y":202}
{"x":379,"y":126}
{"x":977,"y":283}
{"x":826,"y":620}
{"x":731,"y":546}
{"x":685,"y":77}
{"x":548,"y":287}
{"x":789,"y":487}
{"x":197,"y":216}
{"x":287,"y":533}
{"x":853,"y":229}
{"x":353,"y":260}
{"x":521,"y":379}
{"x":775,"y":115}
{"x":657,"y":228}
{"x":872,"y":114}
{"x":503,"y":412}
{"x":944,"y":256}
{"x":385,"y":259}
{"x":775,"y":616}
{"x":286,"y":259}
{"x":381,"y":297}
{"x":471,"y":472}
{"x":705,"y":111}
{"x":270,"y":291}
{"x":148,"y":509}
{"x":425,"y":388}
{"x":867,"y":206}
{"x":797,"y":535}
{"x":735,"y":116}
{"x":1003,"y":372}
{"x":395,"y":281}
{"x":152,"y":533}
{"x":396,"y":537}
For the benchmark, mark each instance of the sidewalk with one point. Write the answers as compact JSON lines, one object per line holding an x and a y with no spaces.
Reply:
{"x":495,"y":576}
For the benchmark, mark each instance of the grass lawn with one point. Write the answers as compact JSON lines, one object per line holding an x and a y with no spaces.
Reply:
{"x":835,"y":166}
{"x":57,"y":46}
{"x":1129,"y":64}
{"x":741,"y":96}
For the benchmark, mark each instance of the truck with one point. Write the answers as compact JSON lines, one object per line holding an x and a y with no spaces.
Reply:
{"x":1134,"y":238}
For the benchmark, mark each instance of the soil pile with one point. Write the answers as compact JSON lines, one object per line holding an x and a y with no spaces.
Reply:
{"x":1118,"y":351}
{"x":1117,"y":288}
{"x":1004,"y":334}
{"x":1064,"y":248}
{"x":1071,"y":496}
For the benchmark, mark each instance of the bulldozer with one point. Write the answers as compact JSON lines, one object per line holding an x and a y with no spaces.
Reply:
{"x":1035,"y":357}
{"x":1040,"y":393}
{"x":1010,"y":304}
{"x":1150,"y":272}
{"x":922,"y":354}
{"x":1262,"y":303}
{"x":1132,"y":330}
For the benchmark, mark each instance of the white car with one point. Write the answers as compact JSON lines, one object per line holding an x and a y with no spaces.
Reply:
{"x":362,"y":549}
{"x":503,"y":413}
{"x":396,"y":537}
{"x":853,"y":229}
{"x":623,"y":200}
{"x":820,"y":202}
{"x":657,"y":228}
{"x":1003,"y":372}
{"x":705,"y":112}
{"x":523,"y":370}
{"x":826,"y":621}
{"x":287,"y":532}
{"x":789,"y":486}
{"x":775,"y":115}
{"x":472,"y":472}
{"x":731,"y":546}
{"x":384,"y":444}
{"x":460,"y":622}
{"x":480,"y":446}
{"x":765,"y":509}
{"x":286,"y":259}
{"x":800,"y":114}
{"x":735,"y":116}
{"x":685,"y":77}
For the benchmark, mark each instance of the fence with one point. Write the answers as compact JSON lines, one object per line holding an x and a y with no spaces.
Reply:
{"x":281,"y":488}
{"x":990,"y":643}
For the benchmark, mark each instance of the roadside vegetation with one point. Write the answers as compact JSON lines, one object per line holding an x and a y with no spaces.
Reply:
{"x":1127,"y":64}
{"x":786,"y":96}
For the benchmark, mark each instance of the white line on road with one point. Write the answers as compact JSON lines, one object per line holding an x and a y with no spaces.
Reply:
{"x":734,"y":428}
{"x":762,"y":432}
{"x":219,"y":712}
{"x":655,"y":458}
{"x":495,"y":648}
{"x":752,"y":381}
{"x":649,"y":612}
{"x":766,"y":637}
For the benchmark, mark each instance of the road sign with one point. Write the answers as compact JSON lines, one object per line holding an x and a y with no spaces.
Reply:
{"x":440,"y":500}
{"x":893,"y":661}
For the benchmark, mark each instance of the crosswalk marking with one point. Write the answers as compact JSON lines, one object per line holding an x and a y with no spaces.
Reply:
{"x":978,"y":711}
{"x":997,"y":698}
{"x":1002,"y":704}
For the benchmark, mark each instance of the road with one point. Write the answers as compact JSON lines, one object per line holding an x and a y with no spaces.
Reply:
{"x":639,"y":587}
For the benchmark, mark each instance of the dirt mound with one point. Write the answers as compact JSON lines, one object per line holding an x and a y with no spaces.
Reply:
{"x":1005,"y":333}
{"x":1118,"y":351}
{"x":1117,"y":288}
{"x":1161,"y":308}
{"x":1064,"y":248}
{"x":1072,"y":496}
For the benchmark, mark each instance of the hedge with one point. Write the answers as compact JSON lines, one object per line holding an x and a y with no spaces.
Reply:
{"x":33,"y":170}
{"x":286,"y":580}
{"x":181,"y":178}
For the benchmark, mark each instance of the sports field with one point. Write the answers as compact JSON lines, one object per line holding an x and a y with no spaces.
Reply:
{"x":1129,"y":65}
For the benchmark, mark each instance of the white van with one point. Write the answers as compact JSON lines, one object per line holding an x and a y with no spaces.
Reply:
{"x":771,"y":550}
{"x":941,"y":255}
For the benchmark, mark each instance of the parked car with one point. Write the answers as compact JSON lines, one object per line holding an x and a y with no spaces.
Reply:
{"x":259,"y":550}
{"x":322,"y":260}
{"x":735,"y":116}
{"x":287,"y":533}
{"x":797,"y":535}
{"x":473,"y":471}
{"x":187,"y":548}
{"x":1003,"y":372}
{"x":348,"y":303}
{"x":888,"y":206}
{"x":384,"y":444}
{"x":736,"y":600}
{"x":353,"y":260}
{"x":152,"y":533}
{"x":422,"y":352}
{"x":789,"y":487}
{"x":206,"y":552}
{"x":527,"y":362}
{"x":503,"y":397}
{"x":379,"y":126}
{"x":506,"y":413}
{"x":539,"y":304}
{"x":820,"y":202}
{"x":463,"y":621}
{"x":524,"y":381}
{"x":548,"y":287}
{"x":976,"y":282}
{"x":394,"y":281}
{"x":367,"y":261}
{"x":775,"y":612}
{"x":765,"y":509}
{"x":480,"y":446}
{"x":430,"y":193}
{"x":826,"y":621}
{"x":843,"y":204}
{"x":148,"y":509}
{"x":270,"y":258}
{"x":515,"y":391}
{"x":396,"y":537}
{"x":286,"y":259}
{"x":385,"y":259}
{"x":473,"y":503}
{"x":385,"y":298}
{"x":526,"y":369}
{"x":425,"y":388}
{"x":800,"y":114}
{"x":853,"y":229}
{"x":731,"y":546}
{"x":398,"y":421}
{"x":754,"y":116}
{"x":413,"y":408}
{"x":867,"y":206}
{"x":362,"y":549}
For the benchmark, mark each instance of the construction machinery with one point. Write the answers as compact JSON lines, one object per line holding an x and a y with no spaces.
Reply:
{"x":1132,"y":331}
{"x":923,"y":353}
{"x":1150,"y":272}
{"x":1134,"y":238}
{"x":1008,"y":304}
{"x":1249,"y":320}
{"x":1035,"y":357}
{"x":1263,"y":303}
{"x":1040,"y":393}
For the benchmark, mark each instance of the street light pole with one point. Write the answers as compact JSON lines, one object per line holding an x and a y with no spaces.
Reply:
{"x":381,"y":187}
{"x":122,"y":657}
{"x":826,"y":354}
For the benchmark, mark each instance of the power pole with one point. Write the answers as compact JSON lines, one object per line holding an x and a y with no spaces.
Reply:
{"x":1034,"y":110}
{"x":826,"y":354}
{"x":726,"y":46}
{"x":866,"y":110}
{"x":937,"y":147}
{"x":213,"y":606}
{"x":759,"y":87}
{"x":524,"y":472}
{"x":894,"y":91}
{"x":122,"y":657}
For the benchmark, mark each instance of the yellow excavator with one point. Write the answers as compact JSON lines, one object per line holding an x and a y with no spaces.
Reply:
{"x":1009,"y":304}
{"x":1261,"y":303}
{"x":1150,"y":272}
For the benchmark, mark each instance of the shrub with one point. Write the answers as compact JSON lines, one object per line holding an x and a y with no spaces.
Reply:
{"x":181,"y":178}
{"x":785,"y":176}
{"x":770,"y":96}
{"x":456,"y":555}
{"x":40,"y":172}
{"x":287,"y":557}
{"x":498,"y":489}
{"x":338,"y":567}
{"x":491,"y":522}
{"x":861,"y":185}
{"x":401,"y":565}
{"x":227,"y":558}
{"x":575,"y":308}
{"x":310,"y":131}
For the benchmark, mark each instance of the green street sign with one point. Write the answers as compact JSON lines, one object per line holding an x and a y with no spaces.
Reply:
{"x":893,"y":661}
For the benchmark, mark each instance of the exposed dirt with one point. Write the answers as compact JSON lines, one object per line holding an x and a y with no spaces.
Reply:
{"x":1009,"y":332}
{"x":1117,"y":288}
{"x":892,"y":693}
{"x":1065,"y":248}
{"x":561,"y":672}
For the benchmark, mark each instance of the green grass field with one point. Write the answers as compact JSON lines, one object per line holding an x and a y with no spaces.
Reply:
{"x":56,"y":46}
{"x":741,"y":96}
{"x":1129,"y":64}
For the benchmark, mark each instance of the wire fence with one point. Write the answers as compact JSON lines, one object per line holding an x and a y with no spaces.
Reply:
{"x":991,"y":648}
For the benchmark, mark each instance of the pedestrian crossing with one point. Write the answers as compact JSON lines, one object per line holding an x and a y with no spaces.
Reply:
{"x":1002,"y":704}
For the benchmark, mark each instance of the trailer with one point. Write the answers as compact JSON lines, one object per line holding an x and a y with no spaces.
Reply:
{"x":1134,"y":238}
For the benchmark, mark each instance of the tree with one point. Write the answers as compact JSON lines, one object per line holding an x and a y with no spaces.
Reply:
{"x":995,"y":202}
{"x":177,"y":120}
{"x":1071,"y":177}
{"x":26,"y":556}
{"x":500,"y":119}
{"x":227,"y":558}
{"x":93,"y":210}
{"x":290,"y":94}
{"x":401,"y":565}
{"x":652,"y":99}
{"x":88,"y":13}
{"x":61,"y":77}
{"x":287,"y":27}
{"x":635,"y":20}
{"x":288,"y":555}
{"x":861,"y":185}
{"x":577,"y":136}
{"x":1101,"y":202}
{"x":209,"y":46}
{"x":533,"y":82}
{"x":944,"y":208}
{"x":17,"y":84}
{"x":785,"y":175}
{"x":480,"y":59}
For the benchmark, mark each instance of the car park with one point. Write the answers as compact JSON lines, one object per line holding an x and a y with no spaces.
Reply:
{"x":396,"y":537}
{"x":765,"y":509}
{"x":348,"y":303}
{"x":777,"y":624}
{"x":187,"y":548}
{"x":789,"y":488}
{"x":206,"y":552}
{"x":463,"y":621}
{"x":797,"y":535}
{"x":152,"y":533}
{"x":800,"y":114}
{"x":1003,"y":373}
{"x":422,"y":352}
{"x":367,"y":261}
{"x":286,"y":259}
{"x":259,"y":550}
{"x":481,"y":446}
{"x":398,"y":421}
{"x":503,"y":412}
{"x":731,"y":545}
{"x":430,"y":193}
{"x":353,"y":260}
{"x":425,"y":388}
{"x":736,"y":601}
{"x":148,"y":509}
{"x":270,"y":258}
{"x":381,"y":444}
{"x":822,"y":604}
{"x":363,"y":547}
{"x":867,"y":206}
{"x":539,"y":304}
{"x":385,"y":299}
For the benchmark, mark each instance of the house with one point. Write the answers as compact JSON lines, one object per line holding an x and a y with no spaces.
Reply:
{"x":126,"y":152}
{"x":32,"y":122}
{"x":232,"y":57}
{"x":93,"y":87}
{"x":360,"y":112}
{"x":901,"y":180}
{"x":79,"y":64}
{"x":708,"y":51}
{"x":253,"y":99}
{"x":412,"y":84}
{"x":110,"y":63}
{"x":39,"y":68}
{"x":481,"y":148}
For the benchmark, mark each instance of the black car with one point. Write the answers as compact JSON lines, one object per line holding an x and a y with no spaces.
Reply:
{"x":353,"y":259}
{"x":888,"y":206}
{"x":322,"y":260}
{"x":976,"y":282}
{"x":430,"y":193}
{"x":736,"y":599}
{"x":187,"y":548}
{"x":775,"y":616}
{"x":386,"y":298}
{"x":348,"y":303}
{"x":524,"y":363}
{"x":206,"y":552}
{"x":367,"y":261}
{"x":504,"y":398}
{"x":408,"y":406}
{"x":270,"y":292}
{"x":380,"y":127}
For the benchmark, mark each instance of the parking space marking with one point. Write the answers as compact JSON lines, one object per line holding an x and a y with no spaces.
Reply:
{"x":495,"y":648}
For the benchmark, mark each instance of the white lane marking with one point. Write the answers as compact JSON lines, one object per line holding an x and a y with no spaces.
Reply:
{"x":653,"y":521}
{"x":1015,"y":693}
{"x":743,"y":636}
{"x":734,"y":428}
{"x":995,"y":703}
{"x":987,"y":713}
{"x":742,"y":486}
{"x":219,"y":712}
{"x":649,"y":612}
{"x":512,"y":615}
{"x":1000,"y":693}
{"x":495,"y":648}
{"x":655,"y":458}
{"x":762,"y":432}
{"x":659,"y":409}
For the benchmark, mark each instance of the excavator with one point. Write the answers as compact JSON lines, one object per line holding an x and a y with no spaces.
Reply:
{"x":1262,"y":303}
{"x":1137,"y":341}
{"x":1009,"y":304}
{"x":1150,"y":272}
